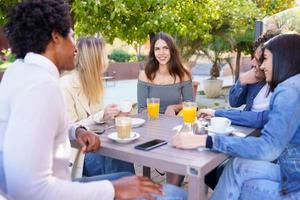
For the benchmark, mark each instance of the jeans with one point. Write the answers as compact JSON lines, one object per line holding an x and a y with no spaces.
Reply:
{"x":95,"y":164}
{"x":171,"y":192}
{"x":240,"y":176}
{"x":265,"y":189}
{"x":2,"y":176}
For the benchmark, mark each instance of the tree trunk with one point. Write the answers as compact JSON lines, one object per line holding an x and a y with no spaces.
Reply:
{"x":237,"y":64}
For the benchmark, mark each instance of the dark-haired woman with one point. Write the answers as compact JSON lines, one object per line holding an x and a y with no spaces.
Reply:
{"x":253,"y":175}
{"x":164,"y":77}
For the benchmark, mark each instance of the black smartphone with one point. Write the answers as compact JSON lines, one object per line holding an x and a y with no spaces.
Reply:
{"x":151,"y":144}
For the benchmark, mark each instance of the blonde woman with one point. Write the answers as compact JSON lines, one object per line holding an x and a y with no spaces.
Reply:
{"x":83,"y":92}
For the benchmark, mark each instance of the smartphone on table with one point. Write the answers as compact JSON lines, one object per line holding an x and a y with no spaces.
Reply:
{"x":151,"y":144}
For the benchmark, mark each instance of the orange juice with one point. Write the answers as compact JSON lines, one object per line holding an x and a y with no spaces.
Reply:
{"x":153,"y":110}
{"x":189,"y":114}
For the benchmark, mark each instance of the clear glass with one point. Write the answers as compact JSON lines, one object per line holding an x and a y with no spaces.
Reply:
{"x":189,"y":112}
{"x":153,"y":108}
{"x":123,"y":126}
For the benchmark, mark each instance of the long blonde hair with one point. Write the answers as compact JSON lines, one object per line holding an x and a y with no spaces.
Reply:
{"x":91,"y":61}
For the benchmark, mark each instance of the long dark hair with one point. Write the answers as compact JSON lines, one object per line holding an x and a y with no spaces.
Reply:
{"x":175,"y":66}
{"x":285,"y":51}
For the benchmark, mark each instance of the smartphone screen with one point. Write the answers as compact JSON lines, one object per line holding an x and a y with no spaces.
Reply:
{"x":151,"y":144}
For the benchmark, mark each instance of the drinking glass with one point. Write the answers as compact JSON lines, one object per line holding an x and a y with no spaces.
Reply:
{"x":123,"y":126}
{"x":153,"y":108}
{"x":189,"y":112}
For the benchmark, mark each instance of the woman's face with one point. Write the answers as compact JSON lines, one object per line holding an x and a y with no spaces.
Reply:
{"x":162,"y":52}
{"x":267,"y":65}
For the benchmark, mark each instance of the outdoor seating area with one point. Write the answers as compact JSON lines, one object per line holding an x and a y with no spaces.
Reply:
{"x":152,"y":100}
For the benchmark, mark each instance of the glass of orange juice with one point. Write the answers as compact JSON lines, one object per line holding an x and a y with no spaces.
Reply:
{"x":153,"y":108}
{"x":189,"y":112}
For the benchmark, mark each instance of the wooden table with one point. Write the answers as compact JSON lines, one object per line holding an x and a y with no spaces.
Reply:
{"x":194,"y":163}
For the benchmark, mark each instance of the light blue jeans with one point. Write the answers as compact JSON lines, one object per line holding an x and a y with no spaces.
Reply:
{"x":95,"y":164}
{"x":246,"y":179}
{"x":171,"y":192}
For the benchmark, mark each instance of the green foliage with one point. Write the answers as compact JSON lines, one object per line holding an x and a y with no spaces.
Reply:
{"x":119,"y":56}
{"x":271,"y":7}
{"x":4,"y":7}
{"x":6,"y":58}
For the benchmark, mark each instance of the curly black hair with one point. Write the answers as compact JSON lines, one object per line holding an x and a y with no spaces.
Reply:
{"x":31,"y":23}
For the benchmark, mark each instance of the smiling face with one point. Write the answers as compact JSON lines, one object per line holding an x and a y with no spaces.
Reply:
{"x":267,"y":65}
{"x":162,"y":52}
{"x":255,"y":63}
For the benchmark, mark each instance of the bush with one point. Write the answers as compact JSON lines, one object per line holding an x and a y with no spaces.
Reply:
{"x":6,"y":58}
{"x":119,"y":56}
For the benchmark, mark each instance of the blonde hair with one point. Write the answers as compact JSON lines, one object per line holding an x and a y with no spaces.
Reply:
{"x":91,"y":61}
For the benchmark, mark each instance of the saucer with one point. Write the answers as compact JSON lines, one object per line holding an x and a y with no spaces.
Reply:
{"x":136,"y":122}
{"x":226,"y":132}
{"x":114,"y":136}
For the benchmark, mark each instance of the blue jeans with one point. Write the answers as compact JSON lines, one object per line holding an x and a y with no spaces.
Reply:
{"x":95,"y":164}
{"x":265,"y":189}
{"x":249,"y":179}
{"x":171,"y":192}
{"x":2,"y":176}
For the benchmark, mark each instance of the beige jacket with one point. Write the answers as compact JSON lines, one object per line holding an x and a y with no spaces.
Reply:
{"x":78,"y":107}
{"x":80,"y":111}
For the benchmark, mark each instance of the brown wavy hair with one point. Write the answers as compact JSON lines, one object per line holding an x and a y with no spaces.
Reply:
{"x":175,"y":66}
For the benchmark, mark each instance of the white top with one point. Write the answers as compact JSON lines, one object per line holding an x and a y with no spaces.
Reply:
{"x":262,"y":100}
{"x":34,"y":135}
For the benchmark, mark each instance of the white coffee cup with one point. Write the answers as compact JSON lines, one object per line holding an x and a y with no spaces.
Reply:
{"x":125,"y":106}
{"x":220,"y":124}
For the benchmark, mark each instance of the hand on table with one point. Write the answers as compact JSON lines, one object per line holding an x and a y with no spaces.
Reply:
{"x":88,"y":141}
{"x":170,"y":111}
{"x":206,"y":113}
{"x":184,"y":140}
{"x":133,"y":187}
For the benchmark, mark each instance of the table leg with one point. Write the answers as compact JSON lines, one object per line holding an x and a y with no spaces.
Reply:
{"x":197,"y":189}
{"x":147,"y":171}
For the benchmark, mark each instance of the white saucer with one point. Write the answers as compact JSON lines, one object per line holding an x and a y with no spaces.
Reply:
{"x":136,"y":122}
{"x":226,"y":132}
{"x":114,"y":136}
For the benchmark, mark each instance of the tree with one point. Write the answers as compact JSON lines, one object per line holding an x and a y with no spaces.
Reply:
{"x":4,"y":7}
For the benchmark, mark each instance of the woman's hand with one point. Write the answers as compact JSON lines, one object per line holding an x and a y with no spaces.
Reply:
{"x":207,"y":112}
{"x":170,"y":111}
{"x":188,"y":141}
{"x":111,"y":111}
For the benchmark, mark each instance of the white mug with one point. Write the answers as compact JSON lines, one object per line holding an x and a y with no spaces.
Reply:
{"x":125,"y":106}
{"x":220,"y":124}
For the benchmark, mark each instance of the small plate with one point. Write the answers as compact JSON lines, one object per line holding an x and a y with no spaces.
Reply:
{"x":136,"y":122}
{"x":227,"y":132}
{"x":114,"y":136}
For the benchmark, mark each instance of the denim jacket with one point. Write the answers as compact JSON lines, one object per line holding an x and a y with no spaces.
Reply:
{"x":280,"y":137}
{"x":244,"y":94}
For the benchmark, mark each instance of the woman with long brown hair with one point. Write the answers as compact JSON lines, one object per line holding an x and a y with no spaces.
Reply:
{"x":164,"y":77}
